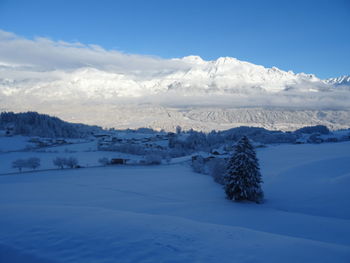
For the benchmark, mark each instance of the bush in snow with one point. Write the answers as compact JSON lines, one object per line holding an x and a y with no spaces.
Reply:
{"x":217,"y":169}
{"x":71,"y":162}
{"x":198,"y":164}
{"x":168,"y":159}
{"x":104,"y":161}
{"x":243,"y":178}
{"x":153,"y":159}
{"x":19,"y":164}
{"x":59,"y":162}
{"x":33,"y":162}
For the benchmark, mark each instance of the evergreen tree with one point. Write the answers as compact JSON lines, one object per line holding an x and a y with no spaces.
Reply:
{"x":243,"y":178}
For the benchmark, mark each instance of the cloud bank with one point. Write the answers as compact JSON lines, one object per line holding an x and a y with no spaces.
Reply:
{"x":41,"y":71}
{"x":44,"y":54}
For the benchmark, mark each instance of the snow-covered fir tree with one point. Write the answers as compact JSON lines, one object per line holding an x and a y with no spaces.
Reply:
{"x":243,"y":177}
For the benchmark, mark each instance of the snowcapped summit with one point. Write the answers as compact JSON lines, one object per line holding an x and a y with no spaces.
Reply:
{"x":223,"y":79}
{"x":343,"y":80}
{"x":227,"y":75}
{"x":72,"y":79}
{"x":193,"y":59}
{"x":226,"y":60}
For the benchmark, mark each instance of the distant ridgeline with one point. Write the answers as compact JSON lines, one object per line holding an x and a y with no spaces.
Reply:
{"x":35,"y":124}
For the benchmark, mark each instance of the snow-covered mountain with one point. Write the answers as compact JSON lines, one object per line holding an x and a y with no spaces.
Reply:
{"x":196,"y":77}
{"x":340,"y":81}
{"x":230,"y":75}
{"x":189,"y":91}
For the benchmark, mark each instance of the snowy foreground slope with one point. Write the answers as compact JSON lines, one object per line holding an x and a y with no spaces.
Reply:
{"x":167,"y":213}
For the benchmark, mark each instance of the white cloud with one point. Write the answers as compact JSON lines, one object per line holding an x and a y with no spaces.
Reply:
{"x":42,"y":70}
{"x":45,"y":54}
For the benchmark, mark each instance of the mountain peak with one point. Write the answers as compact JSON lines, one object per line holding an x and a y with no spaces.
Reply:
{"x":225,"y":60}
{"x":342,"y":80}
{"x":193,"y":59}
{"x":223,"y":79}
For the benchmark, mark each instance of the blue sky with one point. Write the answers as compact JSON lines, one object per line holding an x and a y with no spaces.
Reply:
{"x":303,"y":36}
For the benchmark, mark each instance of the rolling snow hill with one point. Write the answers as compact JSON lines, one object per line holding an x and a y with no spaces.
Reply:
{"x":168,"y":213}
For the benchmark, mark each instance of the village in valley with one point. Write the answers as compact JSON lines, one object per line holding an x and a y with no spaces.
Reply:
{"x":93,"y":146}
{"x":168,"y":178}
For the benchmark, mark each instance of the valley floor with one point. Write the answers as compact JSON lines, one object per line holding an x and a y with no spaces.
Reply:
{"x":167,"y":213}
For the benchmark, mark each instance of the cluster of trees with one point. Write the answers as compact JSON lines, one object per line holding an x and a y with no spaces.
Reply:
{"x":191,"y":141}
{"x":31,"y":163}
{"x":61,"y":162}
{"x":184,"y":143}
{"x":139,"y":149}
{"x":198,"y":141}
{"x":42,"y":125}
{"x":240,"y":175}
{"x":34,"y":163}
{"x":321,"y":129}
{"x":215,"y":167}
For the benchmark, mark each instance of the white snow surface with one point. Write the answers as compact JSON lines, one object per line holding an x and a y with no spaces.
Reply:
{"x":167,"y":213}
{"x":14,"y":143}
{"x":86,"y":153}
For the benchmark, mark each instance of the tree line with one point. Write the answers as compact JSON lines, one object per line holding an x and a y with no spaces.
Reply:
{"x":42,"y":125}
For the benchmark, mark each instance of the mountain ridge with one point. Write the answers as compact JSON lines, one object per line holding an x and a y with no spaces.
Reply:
{"x":220,"y":88}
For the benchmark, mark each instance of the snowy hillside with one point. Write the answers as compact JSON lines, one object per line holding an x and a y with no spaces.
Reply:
{"x":35,"y":124}
{"x":167,"y":213}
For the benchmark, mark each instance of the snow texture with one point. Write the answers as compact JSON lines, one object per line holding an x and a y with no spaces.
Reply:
{"x":167,"y":213}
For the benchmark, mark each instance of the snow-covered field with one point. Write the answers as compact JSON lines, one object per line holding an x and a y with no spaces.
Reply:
{"x":86,"y":153}
{"x":167,"y":213}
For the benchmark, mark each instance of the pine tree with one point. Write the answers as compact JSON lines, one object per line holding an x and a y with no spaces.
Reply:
{"x":243,"y":177}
